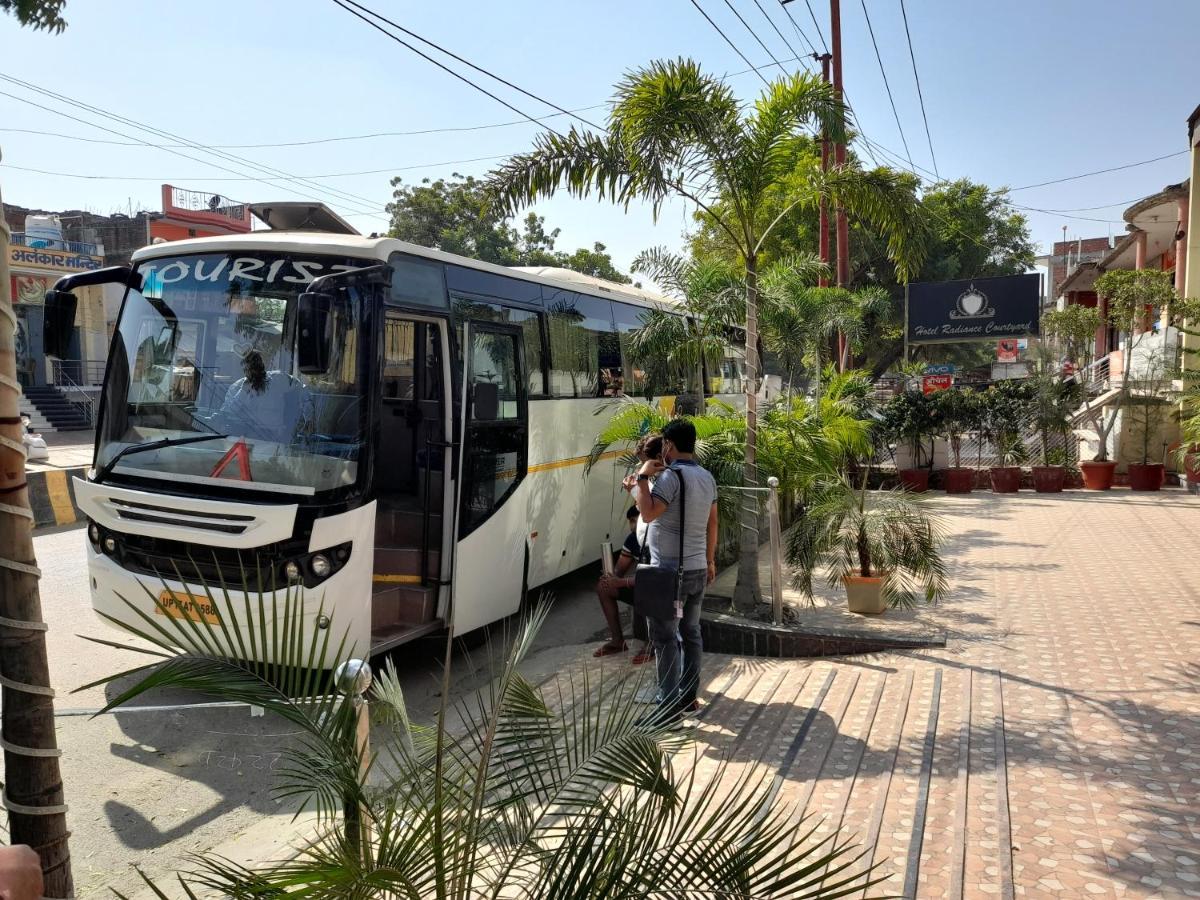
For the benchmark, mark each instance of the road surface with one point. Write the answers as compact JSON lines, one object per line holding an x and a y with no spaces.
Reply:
{"x":153,"y":782}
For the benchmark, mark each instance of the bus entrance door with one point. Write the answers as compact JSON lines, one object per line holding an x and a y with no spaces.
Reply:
{"x":493,"y":523}
{"x":409,"y":479}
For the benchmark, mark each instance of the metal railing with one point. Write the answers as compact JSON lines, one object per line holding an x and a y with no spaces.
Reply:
{"x":979,"y":450}
{"x":21,"y":239}
{"x":73,"y":392}
{"x":1097,"y":377}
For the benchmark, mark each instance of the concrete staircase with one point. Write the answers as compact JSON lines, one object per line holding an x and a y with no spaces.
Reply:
{"x":37,"y":421}
{"x":56,"y":409}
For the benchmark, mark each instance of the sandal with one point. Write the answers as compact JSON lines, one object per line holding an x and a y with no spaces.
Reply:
{"x":644,"y":655}
{"x":610,"y":649}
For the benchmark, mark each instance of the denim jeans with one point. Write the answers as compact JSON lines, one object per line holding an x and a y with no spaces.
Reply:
{"x":677,"y":690}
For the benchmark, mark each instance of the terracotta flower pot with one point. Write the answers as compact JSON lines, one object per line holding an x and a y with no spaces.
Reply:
{"x":1005,"y":479}
{"x":915,"y":480}
{"x":1146,"y":476}
{"x":1098,"y":474}
{"x":959,"y":480}
{"x":1049,"y":479}
{"x":865,"y":595}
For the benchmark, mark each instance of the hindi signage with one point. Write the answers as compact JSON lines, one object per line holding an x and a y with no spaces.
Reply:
{"x":931,"y":384}
{"x":20,"y":257}
{"x":979,"y":309}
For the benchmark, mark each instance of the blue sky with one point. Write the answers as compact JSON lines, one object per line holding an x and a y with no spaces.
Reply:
{"x":1016,"y":93}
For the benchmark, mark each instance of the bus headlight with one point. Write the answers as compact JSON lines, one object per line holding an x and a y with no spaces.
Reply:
{"x":292,"y":571}
{"x":110,"y":545}
{"x":94,"y":535}
{"x":321,"y":567}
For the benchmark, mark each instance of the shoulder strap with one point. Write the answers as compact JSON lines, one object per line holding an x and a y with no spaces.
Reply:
{"x":682,"y":509}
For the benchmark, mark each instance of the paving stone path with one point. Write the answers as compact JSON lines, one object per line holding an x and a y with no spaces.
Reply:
{"x":1051,"y":749}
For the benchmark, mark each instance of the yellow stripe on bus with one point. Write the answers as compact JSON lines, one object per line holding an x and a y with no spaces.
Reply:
{"x":396,"y":579}
{"x":572,"y":461}
{"x":60,"y":497}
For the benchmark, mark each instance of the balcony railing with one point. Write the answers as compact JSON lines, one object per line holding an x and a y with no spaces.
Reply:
{"x":21,"y":239}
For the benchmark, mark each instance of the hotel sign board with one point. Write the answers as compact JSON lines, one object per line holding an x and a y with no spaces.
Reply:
{"x":978,"y":309}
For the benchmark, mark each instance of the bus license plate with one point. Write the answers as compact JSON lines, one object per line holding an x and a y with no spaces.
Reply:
{"x":187,"y":606}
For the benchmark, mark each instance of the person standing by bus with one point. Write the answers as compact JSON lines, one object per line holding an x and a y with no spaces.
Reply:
{"x":661,"y":508}
{"x":619,"y":587}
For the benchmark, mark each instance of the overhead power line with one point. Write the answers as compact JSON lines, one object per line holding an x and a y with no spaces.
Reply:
{"x":444,"y":67}
{"x":352,"y":201}
{"x":432,"y":165}
{"x":816,"y":24}
{"x":920,"y":93}
{"x":887,"y":85}
{"x":799,"y":31}
{"x":1132,"y":165}
{"x":754,"y":34}
{"x":349,"y":137}
{"x":700,"y":9}
{"x":207,"y":162}
{"x":346,"y":198}
{"x":792,"y":50}
{"x":464,"y":61}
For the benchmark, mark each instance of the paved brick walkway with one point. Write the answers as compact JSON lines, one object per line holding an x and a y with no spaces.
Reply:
{"x":1052,"y":749}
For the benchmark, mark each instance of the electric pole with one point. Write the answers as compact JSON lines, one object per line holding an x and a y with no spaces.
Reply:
{"x":823,"y":226}
{"x":843,"y":227}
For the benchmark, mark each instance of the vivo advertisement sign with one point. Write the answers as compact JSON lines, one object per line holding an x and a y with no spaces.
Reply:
{"x":979,"y":309}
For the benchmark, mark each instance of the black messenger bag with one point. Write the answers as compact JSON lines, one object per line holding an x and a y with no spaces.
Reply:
{"x":656,"y":589}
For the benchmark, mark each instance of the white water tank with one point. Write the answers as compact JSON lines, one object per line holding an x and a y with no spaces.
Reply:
{"x":43,"y":231}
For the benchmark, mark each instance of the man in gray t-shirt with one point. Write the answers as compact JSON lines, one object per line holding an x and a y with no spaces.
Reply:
{"x":661,"y":509}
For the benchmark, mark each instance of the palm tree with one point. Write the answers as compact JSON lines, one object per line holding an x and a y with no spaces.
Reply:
{"x":708,"y":292}
{"x":674,"y":131}
{"x":33,"y":781}
{"x":527,"y":791}
{"x":800,"y":319}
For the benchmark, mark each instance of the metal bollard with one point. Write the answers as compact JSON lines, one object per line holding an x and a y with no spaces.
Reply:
{"x":776,"y":551}
{"x":353,"y":679}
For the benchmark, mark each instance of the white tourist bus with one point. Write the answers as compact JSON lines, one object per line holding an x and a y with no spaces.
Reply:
{"x":401,"y":431}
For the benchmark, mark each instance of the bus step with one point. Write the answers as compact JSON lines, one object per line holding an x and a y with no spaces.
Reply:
{"x":404,"y":561}
{"x":405,"y":526}
{"x":402,"y":604}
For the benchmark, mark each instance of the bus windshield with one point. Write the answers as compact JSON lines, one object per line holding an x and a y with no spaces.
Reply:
{"x":207,"y":346}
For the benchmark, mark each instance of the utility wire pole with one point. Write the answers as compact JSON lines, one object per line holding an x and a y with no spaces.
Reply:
{"x":843,"y":228}
{"x":33,"y":789}
{"x":823,"y":226}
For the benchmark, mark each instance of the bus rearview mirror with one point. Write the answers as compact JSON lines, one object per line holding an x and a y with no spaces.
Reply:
{"x":312,"y":329}
{"x":59,"y":322}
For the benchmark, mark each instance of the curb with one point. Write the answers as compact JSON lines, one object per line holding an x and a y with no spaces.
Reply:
{"x":52,"y":497}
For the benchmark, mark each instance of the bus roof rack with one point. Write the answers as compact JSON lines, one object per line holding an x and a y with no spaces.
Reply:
{"x":301,"y":215}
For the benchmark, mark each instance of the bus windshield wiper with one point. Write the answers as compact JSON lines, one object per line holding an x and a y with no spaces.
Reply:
{"x":104,"y":470}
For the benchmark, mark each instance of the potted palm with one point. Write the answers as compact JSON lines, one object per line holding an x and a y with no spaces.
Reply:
{"x":1073,"y":331}
{"x":959,"y":412}
{"x":1007,"y":406}
{"x":1054,"y":401}
{"x":883,"y":546}
{"x":909,"y":419}
{"x":1148,"y":402}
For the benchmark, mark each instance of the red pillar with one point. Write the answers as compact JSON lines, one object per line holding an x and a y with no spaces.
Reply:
{"x":1181,"y":247}
{"x":1139,"y":262}
{"x":1102,"y":331}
